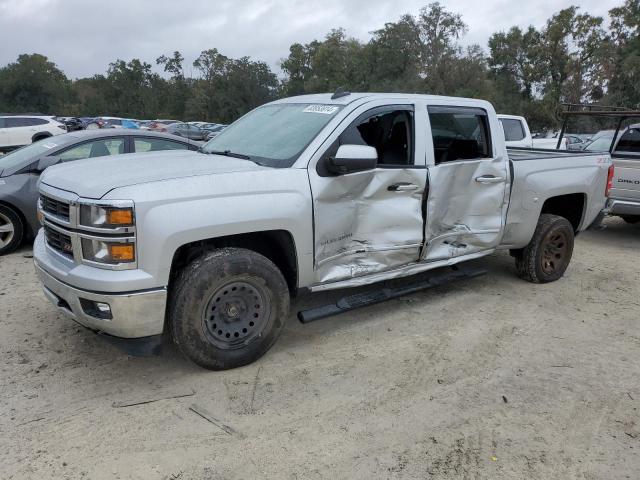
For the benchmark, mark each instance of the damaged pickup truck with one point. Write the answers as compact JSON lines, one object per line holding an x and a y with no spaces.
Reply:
{"x":313,"y":192}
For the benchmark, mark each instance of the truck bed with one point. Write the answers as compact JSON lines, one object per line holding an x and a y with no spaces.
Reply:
{"x":517,"y":154}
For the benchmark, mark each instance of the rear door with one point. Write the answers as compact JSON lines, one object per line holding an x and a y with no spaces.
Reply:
{"x":468,"y":180}
{"x":24,"y":128}
{"x":626,"y":160}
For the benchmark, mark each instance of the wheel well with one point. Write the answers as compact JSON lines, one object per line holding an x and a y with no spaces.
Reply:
{"x":40,"y":136}
{"x":277,"y":245}
{"x":569,"y":206}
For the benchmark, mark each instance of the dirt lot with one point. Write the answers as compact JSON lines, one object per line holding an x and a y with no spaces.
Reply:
{"x":489,"y":378}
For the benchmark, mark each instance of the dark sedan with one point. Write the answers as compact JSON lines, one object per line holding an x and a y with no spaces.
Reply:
{"x":20,"y":170}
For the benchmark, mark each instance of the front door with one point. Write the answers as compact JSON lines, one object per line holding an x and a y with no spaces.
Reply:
{"x":370,"y":221}
{"x":468,"y":178}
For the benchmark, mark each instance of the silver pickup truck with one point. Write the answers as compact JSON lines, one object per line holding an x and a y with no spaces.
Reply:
{"x":314,"y":192}
{"x":624,"y":199}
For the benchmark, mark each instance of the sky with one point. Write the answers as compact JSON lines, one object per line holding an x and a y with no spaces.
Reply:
{"x":83,"y":36}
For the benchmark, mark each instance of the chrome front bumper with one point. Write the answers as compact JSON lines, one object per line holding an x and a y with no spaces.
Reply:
{"x":134,"y":314}
{"x":623,"y":207}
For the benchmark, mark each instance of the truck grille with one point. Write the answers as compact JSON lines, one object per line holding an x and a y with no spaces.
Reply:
{"x":58,"y":241}
{"x":55,"y":207}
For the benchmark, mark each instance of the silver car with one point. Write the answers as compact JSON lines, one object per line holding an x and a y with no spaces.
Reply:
{"x":20,"y":171}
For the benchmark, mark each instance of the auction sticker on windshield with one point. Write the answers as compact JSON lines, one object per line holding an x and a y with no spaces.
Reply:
{"x":326,"y":109}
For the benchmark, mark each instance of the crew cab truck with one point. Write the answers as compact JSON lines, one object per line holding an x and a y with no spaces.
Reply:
{"x":312,"y":192}
{"x":624,"y":198}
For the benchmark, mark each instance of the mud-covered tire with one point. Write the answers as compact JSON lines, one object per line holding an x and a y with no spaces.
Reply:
{"x":228,"y":308}
{"x":11,"y":230}
{"x":547,"y":256}
{"x":631,"y":218}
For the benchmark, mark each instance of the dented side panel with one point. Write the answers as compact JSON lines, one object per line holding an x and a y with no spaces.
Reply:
{"x":361,"y":226}
{"x":463,"y":215}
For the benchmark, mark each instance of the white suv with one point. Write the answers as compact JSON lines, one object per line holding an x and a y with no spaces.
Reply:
{"x":19,"y":130}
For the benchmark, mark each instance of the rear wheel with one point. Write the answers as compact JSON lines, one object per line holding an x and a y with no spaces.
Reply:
{"x":229,"y":307}
{"x":548,"y":254}
{"x":11,"y":230}
{"x":631,"y":218}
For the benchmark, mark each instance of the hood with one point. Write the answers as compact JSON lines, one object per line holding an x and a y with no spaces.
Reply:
{"x":93,"y":178}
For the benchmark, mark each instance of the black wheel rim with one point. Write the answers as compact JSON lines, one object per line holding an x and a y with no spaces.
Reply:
{"x":554,"y":252}
{"x":235,"y":314}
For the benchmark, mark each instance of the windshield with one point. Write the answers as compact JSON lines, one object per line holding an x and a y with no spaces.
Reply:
{"x":25,"y":155}
{"x":274,"y":135}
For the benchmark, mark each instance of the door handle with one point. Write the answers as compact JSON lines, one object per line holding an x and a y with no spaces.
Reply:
{"x":490,"y":179}
{"x":402,"y":187}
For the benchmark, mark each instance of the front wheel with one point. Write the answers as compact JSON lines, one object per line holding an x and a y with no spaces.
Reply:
{"x":229,"y":307}
{"x":11,"y":230}
{"x":548,"y":254}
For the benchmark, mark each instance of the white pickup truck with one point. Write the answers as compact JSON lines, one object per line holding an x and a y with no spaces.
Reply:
{"x":517,"y":134}
{"x":312,"y":192}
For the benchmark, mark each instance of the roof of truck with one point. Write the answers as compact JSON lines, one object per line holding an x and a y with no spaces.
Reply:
{"x":346,"y":99}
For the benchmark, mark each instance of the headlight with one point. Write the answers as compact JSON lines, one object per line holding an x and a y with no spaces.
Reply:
{"x":110,"y":253}
{"x":106,"y":217}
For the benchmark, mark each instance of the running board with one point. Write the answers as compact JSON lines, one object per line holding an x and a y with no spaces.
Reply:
{"x":359,"y":300}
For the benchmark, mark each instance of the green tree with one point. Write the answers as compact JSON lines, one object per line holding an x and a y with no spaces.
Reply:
{"x":439,"y":33}
{"x":624,"y":87}
{"x":178,"y":86}
{"x":132,"y":89}
{"x":34,"y":84}
{"x":394,"y":56}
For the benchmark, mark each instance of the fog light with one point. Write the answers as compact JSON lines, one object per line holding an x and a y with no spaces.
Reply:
{"x":96,"y":309}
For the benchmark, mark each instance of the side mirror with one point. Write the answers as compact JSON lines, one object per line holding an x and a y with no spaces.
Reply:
{"x":46,"y":162}
{"x":353,"y":158}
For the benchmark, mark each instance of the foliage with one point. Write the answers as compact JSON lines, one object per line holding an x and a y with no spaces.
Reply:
{"x":575,"y":57}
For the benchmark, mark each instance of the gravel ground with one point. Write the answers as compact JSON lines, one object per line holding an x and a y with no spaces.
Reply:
{"x":485,"y":379}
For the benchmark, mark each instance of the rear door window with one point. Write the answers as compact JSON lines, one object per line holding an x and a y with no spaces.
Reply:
{"x":97,"y":148}
{"x":154,"y":144}
{"x":459,"y":133}
{"x":513,"y":130}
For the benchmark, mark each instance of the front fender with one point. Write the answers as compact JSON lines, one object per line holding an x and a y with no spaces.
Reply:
{"x":235,"y":203}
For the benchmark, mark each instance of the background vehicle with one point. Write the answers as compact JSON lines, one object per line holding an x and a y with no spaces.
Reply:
{"x":575,"y":142}
{"x":516,"y":131}
{"x":111,"y":122}
{"x":208,"y":128}
{"x":624,"y":145}
{"x":625,"y":186}
{"x":166,"y":122}
{"x":213,"y":132}
{"x":315,"y":191}
{"x":20,"y":171}
{"x":600,"y":142}
{"x":186,"y":130}
{"x":517,"y":134}
{"x":73,"y":124}
{"x":19,"y":130}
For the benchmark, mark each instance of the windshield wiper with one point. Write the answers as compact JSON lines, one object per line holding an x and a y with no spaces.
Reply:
{"x":228,"y":153}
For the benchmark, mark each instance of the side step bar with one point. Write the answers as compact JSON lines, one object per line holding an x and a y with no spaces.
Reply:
{"x":358,"y":300}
